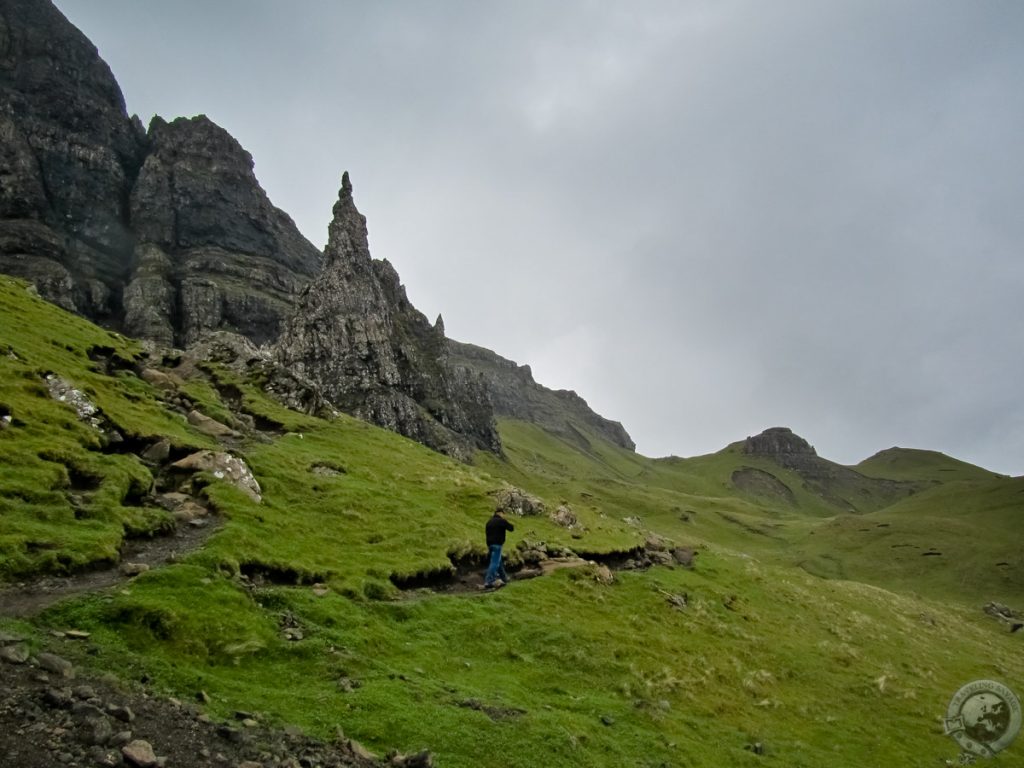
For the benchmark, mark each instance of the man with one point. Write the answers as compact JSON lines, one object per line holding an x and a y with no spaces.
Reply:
{"x":496,"y":528}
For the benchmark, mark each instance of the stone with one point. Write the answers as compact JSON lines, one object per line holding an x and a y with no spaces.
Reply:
{"x":77,"y":634}
{"x":9,"y":639}
{"x":209,"y":426}
{"x":158,"y":452}
{"x":223,"y":466}
{"x":160,"y":380}
{"x":14,"y":654}
{"x":133,"y":569}
{"x":120,"y":738}
{"x":357,"y":337}
{"x":58,"y":698}
{"x":139,"y":753}
{"x":98,"y":731}
{"x":124,"y":714}
{"x":56,"y":665}
{"x":516,"y":501}
{"x":684,"y":556}
{"x":564,"y":516}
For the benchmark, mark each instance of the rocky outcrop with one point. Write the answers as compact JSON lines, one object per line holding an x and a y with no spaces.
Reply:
{"x":513,"y":393}
{"x":778,"y":441}
{"x":374,"y":355}
{"x":68,"y":156}
{"x":213,"y":253}
{"x":840,"y":486}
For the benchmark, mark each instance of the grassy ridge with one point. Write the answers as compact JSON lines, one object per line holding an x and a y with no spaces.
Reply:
{"x":562,"y":670}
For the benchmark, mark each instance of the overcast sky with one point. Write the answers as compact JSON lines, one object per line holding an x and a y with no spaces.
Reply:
{"x":707,"y":218}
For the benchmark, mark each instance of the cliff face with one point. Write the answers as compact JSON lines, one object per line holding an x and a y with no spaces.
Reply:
{"x":168,"y":235}
{"x":513,"y":393}
{"x":213,"y":253}
{"x":68,"y":157}
{"x":375,"y":356}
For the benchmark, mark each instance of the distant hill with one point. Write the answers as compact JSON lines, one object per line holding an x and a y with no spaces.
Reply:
{"x":915,"y":464}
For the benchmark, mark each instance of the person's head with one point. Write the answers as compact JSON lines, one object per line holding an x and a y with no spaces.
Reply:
{"x":499,"y":513}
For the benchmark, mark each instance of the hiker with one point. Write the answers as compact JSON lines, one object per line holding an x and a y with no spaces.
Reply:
{"x":496,"y":527}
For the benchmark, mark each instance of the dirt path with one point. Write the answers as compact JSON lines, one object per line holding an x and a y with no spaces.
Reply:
{"x":31,"y":597}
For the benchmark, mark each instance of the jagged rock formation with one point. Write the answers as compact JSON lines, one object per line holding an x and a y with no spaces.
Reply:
{"x":514,"y":393}
{"x":375,"y":355}
{"x":68,"y":157}
{"x":778,"y":441}
{"x":213,"y":252}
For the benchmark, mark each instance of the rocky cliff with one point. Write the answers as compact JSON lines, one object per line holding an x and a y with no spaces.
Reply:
{"x":167,"y":235}
{"x":375,"y":355}
{"x":68,"y":157}
{"x":513,"y":393}
{"x":213,"y":252}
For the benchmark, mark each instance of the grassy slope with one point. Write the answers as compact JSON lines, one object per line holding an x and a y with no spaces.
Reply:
{"x":574,"y":673}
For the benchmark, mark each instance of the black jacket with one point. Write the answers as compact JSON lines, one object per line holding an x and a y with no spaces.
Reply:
{"x":496,"y":528}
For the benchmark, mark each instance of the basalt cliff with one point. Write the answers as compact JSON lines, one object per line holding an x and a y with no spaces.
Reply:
{"x":165,"y":234}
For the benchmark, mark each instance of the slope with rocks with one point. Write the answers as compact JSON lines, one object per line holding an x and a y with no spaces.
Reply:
{"x":513,"y":393}
{"x":293,"y":613}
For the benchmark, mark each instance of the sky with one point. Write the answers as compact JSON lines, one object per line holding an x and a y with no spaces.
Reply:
{"x":706,"y":218}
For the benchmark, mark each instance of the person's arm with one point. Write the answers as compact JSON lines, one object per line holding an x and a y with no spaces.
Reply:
{"x":508,"y":525}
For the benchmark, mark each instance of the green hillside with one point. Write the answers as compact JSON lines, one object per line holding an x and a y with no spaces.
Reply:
{"x":292,"y":607}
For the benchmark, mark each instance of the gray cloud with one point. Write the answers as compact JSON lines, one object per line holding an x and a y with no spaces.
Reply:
{"x":707,"y":218}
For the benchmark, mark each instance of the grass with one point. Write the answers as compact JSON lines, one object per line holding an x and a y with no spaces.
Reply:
{"x":852,"y":669}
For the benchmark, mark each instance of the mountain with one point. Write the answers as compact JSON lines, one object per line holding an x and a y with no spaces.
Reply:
{"x":211,"y":252}
{"x":514,"y":394}
{"x":167,"y":235}
{"x":376,"y":356}
{"x":260,"y":583}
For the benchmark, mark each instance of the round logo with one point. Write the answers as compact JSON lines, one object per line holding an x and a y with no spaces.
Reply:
{"x":983,"y":717}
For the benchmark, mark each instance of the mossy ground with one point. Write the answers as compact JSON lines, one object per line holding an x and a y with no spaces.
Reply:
{"x":559,"y":670}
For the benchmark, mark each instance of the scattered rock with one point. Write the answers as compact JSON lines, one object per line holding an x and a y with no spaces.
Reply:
{"x":161,"y":380}
{"x":515,"y":501}
{"x":133,"y":569}
{"x":223,"y":466}
{"x":684,"y":556}
{"x":209,"y":426}
{"x":77,"y":634}
{"x":564,"y":516}
{"x":139,"y":753}
{"x":56,"y":665}
{"x":14,"y":654}
{"x":158,"y":452}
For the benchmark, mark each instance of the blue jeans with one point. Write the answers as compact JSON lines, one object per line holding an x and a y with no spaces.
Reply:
{"x":496,"y":570}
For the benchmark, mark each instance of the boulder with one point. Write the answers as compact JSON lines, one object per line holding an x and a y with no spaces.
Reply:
{"x":515,"y":501}
{"x":209,"y":426}
{"x":564,"y":516}
{"x":222,"y":466}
